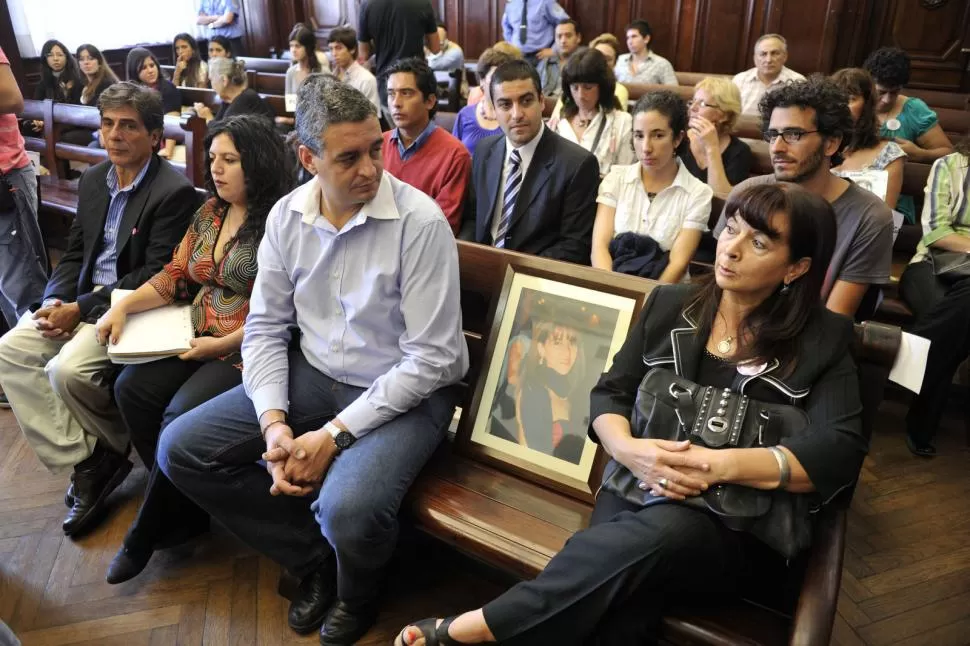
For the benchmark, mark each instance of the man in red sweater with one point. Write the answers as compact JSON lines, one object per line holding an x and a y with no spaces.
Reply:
{"x":417,"y":151}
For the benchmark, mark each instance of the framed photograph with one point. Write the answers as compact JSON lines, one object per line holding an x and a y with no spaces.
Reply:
{"x":549,"y":343}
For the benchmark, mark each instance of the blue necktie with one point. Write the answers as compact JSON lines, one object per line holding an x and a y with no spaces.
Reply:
{"x":512,"y":184}
{"x":524,"y":23}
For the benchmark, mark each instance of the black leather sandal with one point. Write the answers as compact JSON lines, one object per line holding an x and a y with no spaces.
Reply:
{"x":434,"y":635}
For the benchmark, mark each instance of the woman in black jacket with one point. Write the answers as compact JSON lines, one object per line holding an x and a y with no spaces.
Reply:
{"x":60,"y":77}
{"x":61,"y":81}
{"x":757,"y":327}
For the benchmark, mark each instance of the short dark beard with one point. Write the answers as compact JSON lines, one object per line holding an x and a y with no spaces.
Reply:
{"x":809,"y":168}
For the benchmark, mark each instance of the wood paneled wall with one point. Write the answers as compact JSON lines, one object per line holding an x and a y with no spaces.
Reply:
{"x":719,"y":35}
{"x":696,"y":35}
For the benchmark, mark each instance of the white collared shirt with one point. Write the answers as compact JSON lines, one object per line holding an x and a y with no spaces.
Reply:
{"x":357,"y":77}
{"x":752,"y":88}
{"x":654,"y":69}
{"x":685,"y":204}
{"x":615,"y":146}
{"x":526,"y":152}
{"x":377,"y":302}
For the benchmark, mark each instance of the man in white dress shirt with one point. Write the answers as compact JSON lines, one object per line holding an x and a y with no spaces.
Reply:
{"x":770,"y":56}
{"x":343,"y":48}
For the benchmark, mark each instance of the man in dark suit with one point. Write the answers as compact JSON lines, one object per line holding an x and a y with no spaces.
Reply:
{"x":532,"y":191}
{"x":132,"y":211}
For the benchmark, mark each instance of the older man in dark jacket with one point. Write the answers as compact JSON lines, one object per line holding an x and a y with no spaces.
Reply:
{"x":132,"y":211}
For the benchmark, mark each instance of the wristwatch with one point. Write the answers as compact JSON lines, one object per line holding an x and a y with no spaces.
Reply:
{"x":343,"y":439}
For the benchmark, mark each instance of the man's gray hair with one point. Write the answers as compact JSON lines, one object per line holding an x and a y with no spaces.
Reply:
{"x":146,"y":102}
{"x":322,"y":101}
{"x":779,"y":37}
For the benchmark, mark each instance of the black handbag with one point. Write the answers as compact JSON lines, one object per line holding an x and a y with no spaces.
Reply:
{"x":669,"y":407}
{"x":950,"y":266}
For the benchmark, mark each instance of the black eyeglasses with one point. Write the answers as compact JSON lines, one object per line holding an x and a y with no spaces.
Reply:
{"x":702,"y":104}
{"x":791,"y":136}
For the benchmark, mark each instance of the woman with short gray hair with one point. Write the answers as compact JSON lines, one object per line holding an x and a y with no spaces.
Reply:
{"x":228,"y":78}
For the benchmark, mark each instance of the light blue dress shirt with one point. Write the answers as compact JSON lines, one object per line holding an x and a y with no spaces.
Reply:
{"x":450,"y":58}
{"x":106,"y":265}
{"x":408,"y":152}
{"x":542,"y":18}
{"x":377,"y":302}
{"x":219,"y":7}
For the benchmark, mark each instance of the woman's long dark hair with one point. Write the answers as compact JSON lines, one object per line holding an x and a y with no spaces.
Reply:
{"x":588,"y":66}
{"x":190,"y":76}
{"x":71,"y":72}
{"x":136,"y":58}
{"x":263,"y":160}
{"x":855,"y":81}
{"x":104,"y":71}
{"x":305,"y":36}
{"x":774,"y":326}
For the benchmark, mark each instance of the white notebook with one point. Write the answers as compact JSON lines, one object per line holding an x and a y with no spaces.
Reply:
{"x":152,"y":335}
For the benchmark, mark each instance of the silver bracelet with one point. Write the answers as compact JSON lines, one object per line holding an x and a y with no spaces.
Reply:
{"x":784,"y":475}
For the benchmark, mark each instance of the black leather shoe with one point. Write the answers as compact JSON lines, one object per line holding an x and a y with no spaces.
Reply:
{"x":69,"y":496}
{"x":94,"y":479}
{"x":127,"y":564}
{"x":316,"y":594}
{"x":345,"y":624}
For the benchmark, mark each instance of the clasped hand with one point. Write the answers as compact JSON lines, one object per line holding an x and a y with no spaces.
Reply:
{"x":687,"y":470}
{"x":57,"y":319}
{"x":299,"y":465}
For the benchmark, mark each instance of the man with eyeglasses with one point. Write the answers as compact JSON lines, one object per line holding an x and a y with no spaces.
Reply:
{"x":769,"y":71}
{"x":806,"y":125}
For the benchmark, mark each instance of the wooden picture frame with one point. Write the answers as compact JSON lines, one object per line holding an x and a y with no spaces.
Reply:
{"x":578,"y":320}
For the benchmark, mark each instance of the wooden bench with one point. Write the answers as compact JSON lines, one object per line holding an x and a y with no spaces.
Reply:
{"x":209,"y":98}
{"x":270,"y":65}
{"x":517,"y":526}
{"x":933,"y":98}
{"x":58,"y":191}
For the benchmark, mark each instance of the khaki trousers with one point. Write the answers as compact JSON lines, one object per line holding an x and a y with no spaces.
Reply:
{"x":60,"y":391}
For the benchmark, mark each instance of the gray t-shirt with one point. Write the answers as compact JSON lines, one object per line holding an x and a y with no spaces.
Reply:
{"x":864,"y":238}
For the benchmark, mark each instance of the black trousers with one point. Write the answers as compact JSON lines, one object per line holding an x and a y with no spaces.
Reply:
{"x":150,"y":396}
{"x":611,"y":583}
{"x":942,"y":316}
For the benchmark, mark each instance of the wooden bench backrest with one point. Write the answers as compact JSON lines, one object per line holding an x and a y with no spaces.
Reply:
{"x":209,"y":98}
{"x":271,"y":65}
{"x":187,"y":130}
{"x":639,"y":89}
{"x":955,"y":123}
{"x":445,"y":120}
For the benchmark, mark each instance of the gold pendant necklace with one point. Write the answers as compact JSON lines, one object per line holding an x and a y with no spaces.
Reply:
{"x":724,"y":345}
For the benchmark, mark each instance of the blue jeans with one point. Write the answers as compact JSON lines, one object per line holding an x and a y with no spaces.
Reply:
{"x":211,"y":454}
{"x":23,"y":259}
